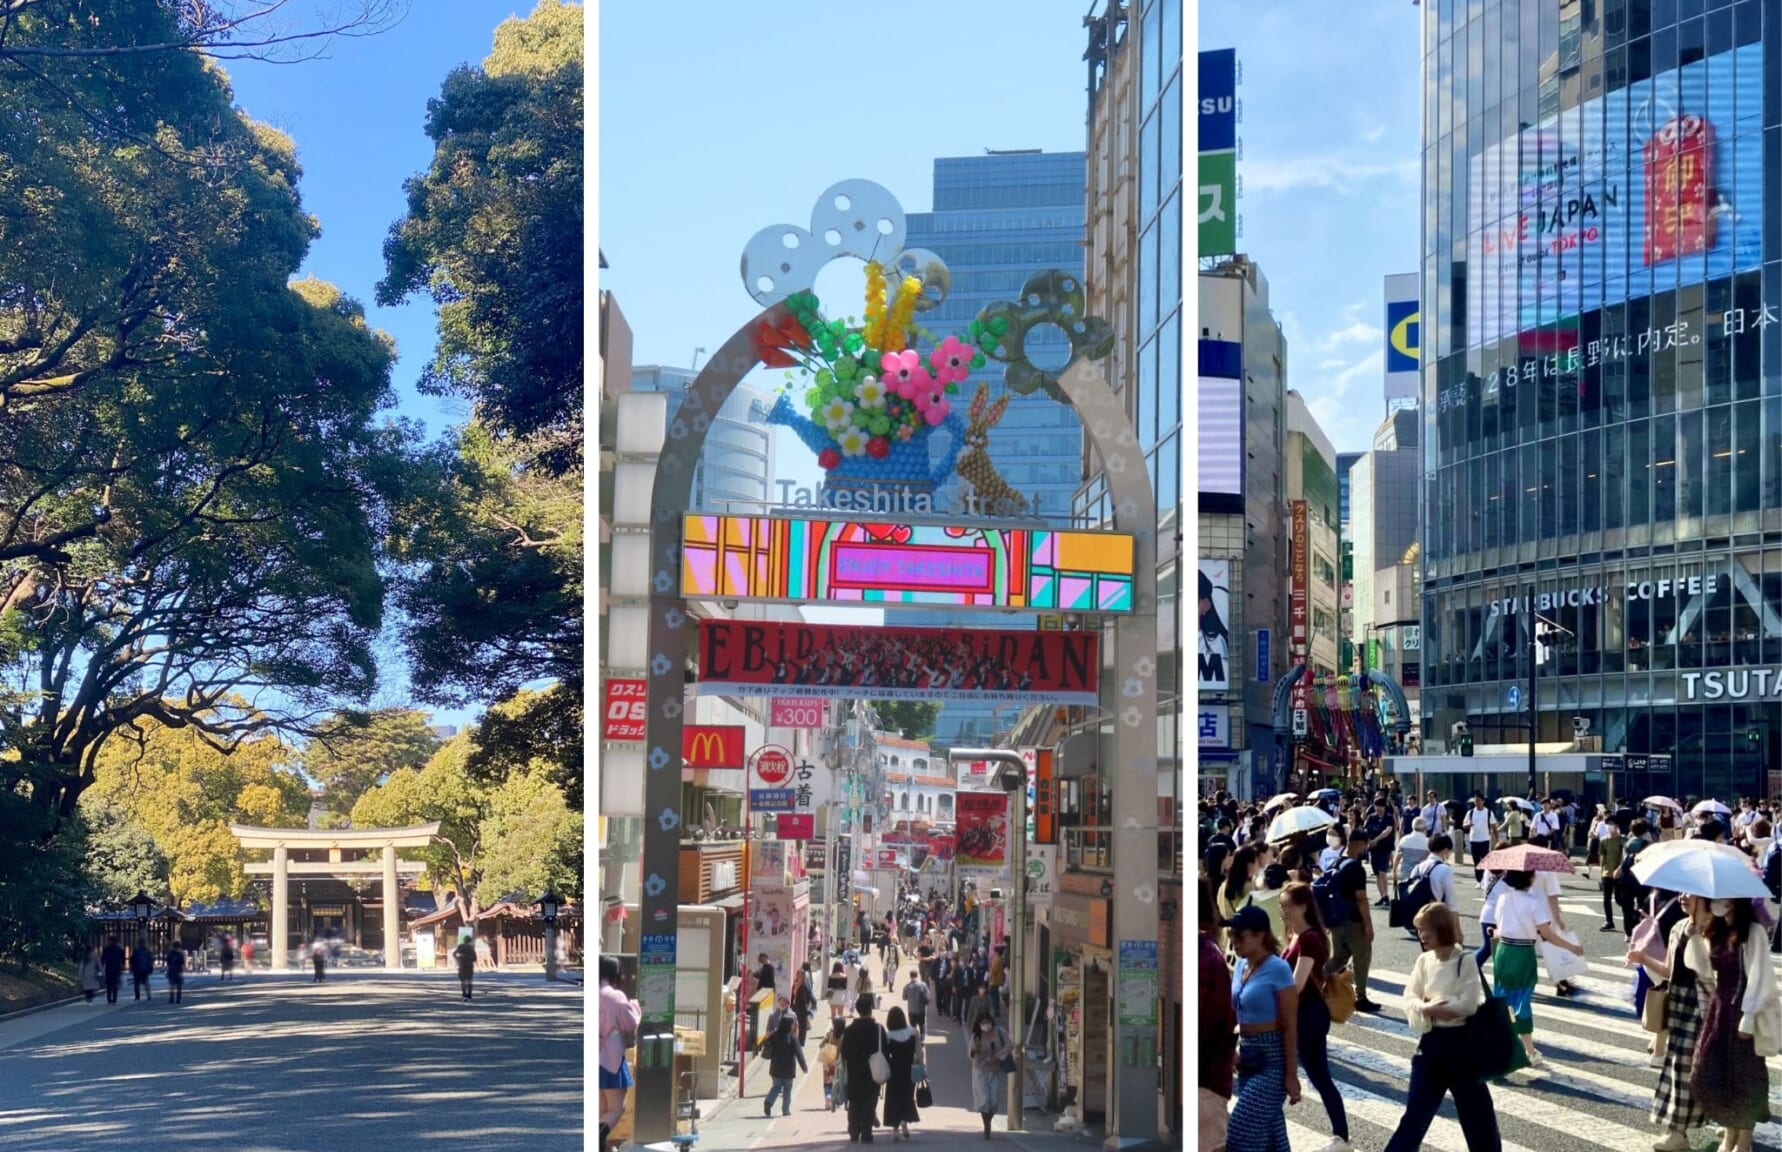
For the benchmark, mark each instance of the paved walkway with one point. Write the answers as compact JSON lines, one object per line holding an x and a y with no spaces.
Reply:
{"x":366,"y":1060}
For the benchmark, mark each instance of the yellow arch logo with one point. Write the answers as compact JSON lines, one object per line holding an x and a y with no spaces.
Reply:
{"x":1404,"y":336}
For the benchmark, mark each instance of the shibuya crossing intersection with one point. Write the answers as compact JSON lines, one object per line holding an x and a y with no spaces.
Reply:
{"x":867,"y":405}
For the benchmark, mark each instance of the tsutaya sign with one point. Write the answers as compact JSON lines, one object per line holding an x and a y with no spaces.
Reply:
{"x":1698,"y":584}
{"x":1733,"y":684}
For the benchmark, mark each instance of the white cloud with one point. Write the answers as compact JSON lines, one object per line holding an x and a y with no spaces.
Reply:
{"x":1373,"y":135}
{"x":1349,"y":423}
{"x":1357,"y":332}
{"x":1335,"y":173}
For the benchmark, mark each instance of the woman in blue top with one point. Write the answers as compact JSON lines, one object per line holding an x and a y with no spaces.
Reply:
{"x":1267,"y":1003}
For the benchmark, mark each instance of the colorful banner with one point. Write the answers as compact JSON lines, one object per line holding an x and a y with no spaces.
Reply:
{"x":1298,"y":613}
{"x":805,"y":560}
{"x":1218,"y":153}
{"x":982,"y":829}
{"x":1215,"y":625}
{"x":762,"y":658}
{"x":1648,"y":188}
{"x":1045,"y":807}
{"x":625,"y":712}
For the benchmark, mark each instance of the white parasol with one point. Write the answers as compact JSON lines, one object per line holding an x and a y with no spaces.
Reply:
{"x":1297,"y":820}
{"x":1700,"y":868}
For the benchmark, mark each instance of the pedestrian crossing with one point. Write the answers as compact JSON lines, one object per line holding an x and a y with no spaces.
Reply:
{"x":1593,"y":1093}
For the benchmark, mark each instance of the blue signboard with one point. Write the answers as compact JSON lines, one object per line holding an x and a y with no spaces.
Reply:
{"x":1138,"y":953}
{"x":773,"y":799}
{"x":1402,"y":336}
{"x":1218,"y":100}
{"x":1262,"y":668}
{"x":656,"y":949}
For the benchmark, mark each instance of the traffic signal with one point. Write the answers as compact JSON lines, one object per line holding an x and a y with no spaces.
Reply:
{"x":1462,"y":737}
{"x":1754,"y":739}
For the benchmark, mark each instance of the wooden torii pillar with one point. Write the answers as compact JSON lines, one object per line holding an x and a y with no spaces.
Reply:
{"x":333,"y":841}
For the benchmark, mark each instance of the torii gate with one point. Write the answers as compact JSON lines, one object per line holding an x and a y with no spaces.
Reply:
{"x":334,"y":841}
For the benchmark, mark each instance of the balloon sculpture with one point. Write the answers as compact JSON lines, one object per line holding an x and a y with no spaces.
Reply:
{"x":1344,"y":717}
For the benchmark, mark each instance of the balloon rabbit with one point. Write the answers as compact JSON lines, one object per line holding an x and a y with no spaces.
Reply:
{"x":991,"y":490}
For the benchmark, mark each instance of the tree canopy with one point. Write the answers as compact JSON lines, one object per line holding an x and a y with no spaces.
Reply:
{"x":493,"y":235}
{"x":356,"y":751}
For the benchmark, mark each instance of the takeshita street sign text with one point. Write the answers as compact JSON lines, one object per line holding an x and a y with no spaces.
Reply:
{"x":807,"y":560}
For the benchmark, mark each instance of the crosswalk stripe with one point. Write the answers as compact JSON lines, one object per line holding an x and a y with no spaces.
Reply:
{"x":1387,"y":1114}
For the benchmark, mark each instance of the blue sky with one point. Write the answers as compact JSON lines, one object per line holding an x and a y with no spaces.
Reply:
{"x":357,"y":117}
{"x":1330,"y":183}
{"x":714,"y":128}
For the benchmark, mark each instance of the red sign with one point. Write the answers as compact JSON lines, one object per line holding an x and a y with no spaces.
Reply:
{"x":982,"y":828}
{"x":713,"y":745}
{"x":770,"y":767}
{"x":940,"y":845}
{"x":1045,"y":817}
{"x":1300,"y":551}
{"x":884,"y":858}
{"x":761,"y":658}
{"x":625,"y":714}
{"x":795,"y":712}
{"x":796,"y":826}
{"x":1679,"y":163}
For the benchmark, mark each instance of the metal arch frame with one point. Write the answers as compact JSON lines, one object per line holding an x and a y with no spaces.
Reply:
{"x":1132,"y":699}
{"x":1283,"y":700}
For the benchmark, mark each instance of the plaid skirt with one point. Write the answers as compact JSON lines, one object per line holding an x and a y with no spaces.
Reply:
{"x":1673,"y":1104}
{"x":1259,"y":1119}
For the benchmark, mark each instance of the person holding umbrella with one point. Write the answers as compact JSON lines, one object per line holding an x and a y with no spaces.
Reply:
{"x":1523,"y":916}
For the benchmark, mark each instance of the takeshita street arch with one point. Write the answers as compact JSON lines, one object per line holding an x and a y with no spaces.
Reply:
{"x":335,"y":842}
{"x":874,"y":450}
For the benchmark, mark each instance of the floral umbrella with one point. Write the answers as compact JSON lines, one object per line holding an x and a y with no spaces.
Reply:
{"x":1526,"y":858}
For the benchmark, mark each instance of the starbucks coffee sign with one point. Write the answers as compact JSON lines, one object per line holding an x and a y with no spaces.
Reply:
{"x":1699,"y":584}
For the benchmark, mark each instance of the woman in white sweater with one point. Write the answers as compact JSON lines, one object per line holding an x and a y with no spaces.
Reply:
{"x":1442,"y":993}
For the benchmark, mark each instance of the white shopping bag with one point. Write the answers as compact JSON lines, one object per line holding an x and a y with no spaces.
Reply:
{"x":1560,"y":964}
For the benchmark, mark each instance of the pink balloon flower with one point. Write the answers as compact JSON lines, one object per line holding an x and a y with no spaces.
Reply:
{"x":951,"y":360}
{"x":904,"y":371}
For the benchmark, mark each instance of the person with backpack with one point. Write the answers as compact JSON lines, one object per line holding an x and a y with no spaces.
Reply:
{"x":142,"y":966}
{"x":465,"y":955}
{"x":1515,"y":823}
{"x":1481,"y":832}
{"x":1343,"y":906}
{"x":915,"y":999}
{"x":1629,"y":892}
{"x":1308,"y":951}
{"x":829,"y":1056}
{"x":1606,"y":846}
{"x":1439,"y":1000}
{"x":617,"y":1017}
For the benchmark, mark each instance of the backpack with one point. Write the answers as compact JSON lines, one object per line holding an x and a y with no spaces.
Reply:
{"x":1334,"y":908}
{"x":1627,"y":885}
{"x":1421,"y":892}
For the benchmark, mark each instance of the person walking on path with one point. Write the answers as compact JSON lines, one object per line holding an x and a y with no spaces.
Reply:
{"x":226,"y":956}
{"x":1308,"y":950}
{"x":838,"y":992}
{"x":804,"y":1001}
{"x":1731,"y":962}
{"x":465,"y":955}
{"x":1481,"y":831}
{"x":915,"y":998}
{"x":863,"y":1039}
{"x":989,"y":1049}
{"x":112,"y":960}
{"x":1440,"y":997}
{"x":318,"y":956}
{"x":1606,"y":845}
{"x":1267,"y":1004}
{"x":1218,"y":1029}
{"x":92,"y":974}
{"x":903,"y":1048}
{"x":829,"y":1056}
{"x":785,"y":1059}
{"x":1352,"y":933}
{"x":1674,"y":1108}
{"x":176,"y":972}
{"x":1522,"y":917}
{"x":616,"y":1017}
{"x":980,"y":1003}
{"x":142,"y":966}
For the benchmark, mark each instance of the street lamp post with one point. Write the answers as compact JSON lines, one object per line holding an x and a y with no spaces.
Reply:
{"x":143,"y":907}
{"x":1012,"y":776}
{"x":547,"y":910}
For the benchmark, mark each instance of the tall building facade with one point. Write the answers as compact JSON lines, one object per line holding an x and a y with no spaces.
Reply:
{"x":1602,"y":379}
{"x":737,"y":466}
{"x":1310,"y":468}
{"x":1385,"y":624}
{"x":998,"y":219}
{"x":1241,"y":639}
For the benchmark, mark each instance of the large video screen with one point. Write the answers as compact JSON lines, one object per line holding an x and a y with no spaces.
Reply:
{"x":1652,"y":187}
{"x":1221,"y":436}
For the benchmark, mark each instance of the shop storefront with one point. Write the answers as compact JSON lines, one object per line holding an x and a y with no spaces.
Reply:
{"x":1082,"y":961}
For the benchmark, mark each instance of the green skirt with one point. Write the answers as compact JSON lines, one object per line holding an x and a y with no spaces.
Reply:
{"x":1515,"y":969}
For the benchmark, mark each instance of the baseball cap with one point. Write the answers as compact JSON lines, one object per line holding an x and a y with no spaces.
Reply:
{"x":1248,"y":919}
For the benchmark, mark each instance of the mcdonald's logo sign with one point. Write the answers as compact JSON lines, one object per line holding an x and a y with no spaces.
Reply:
{"x":713,"y":746}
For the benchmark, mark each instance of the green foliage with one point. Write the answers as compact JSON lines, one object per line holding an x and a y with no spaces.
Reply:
{"x":494,"y":837}
{"x":123,"y":857}
{"x":44,"y":885}
{"x":182,"y":794}
{"x":359,"y":749}
{"x":914,"y":718}
{"x":494,"y":232}
{"x":494,"y":557}
{"x":194,"y":471}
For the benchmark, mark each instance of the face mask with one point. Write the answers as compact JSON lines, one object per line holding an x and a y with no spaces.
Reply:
{"x":1721,"y":908}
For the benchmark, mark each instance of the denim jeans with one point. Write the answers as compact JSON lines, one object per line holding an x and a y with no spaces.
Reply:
{"x":781,"y":1084}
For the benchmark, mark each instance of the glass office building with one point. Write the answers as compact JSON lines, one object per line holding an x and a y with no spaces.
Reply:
{"x":998,"y":219}
{"x":1602,"y":379}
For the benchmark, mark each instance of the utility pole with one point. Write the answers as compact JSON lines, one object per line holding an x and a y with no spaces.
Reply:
{"x":1534,"y":708}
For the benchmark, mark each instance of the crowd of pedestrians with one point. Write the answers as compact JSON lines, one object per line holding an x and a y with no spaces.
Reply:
{"x":1286,"y":933}
{"x":102,"y":969}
